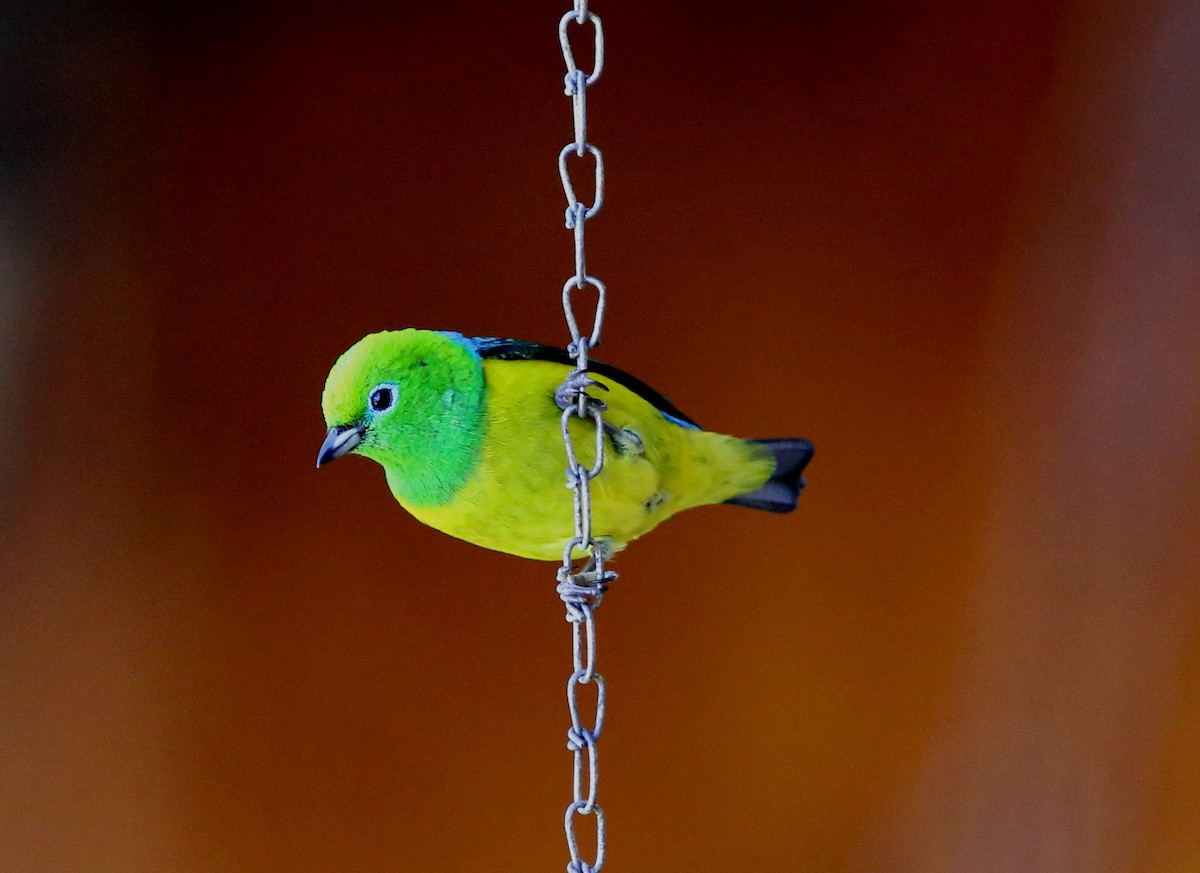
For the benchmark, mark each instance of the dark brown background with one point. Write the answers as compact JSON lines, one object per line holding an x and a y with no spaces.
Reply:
{"x":954,"y":244}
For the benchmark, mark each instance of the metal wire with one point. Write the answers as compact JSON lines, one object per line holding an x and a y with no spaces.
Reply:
{"x":582,"y":585}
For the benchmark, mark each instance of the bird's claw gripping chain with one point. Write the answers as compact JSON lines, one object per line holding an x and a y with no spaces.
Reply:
{"x":574,"y":388}
{"x":587,"y":585}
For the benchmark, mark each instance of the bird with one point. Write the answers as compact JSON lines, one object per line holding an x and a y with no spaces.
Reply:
{"x":469,"y":434}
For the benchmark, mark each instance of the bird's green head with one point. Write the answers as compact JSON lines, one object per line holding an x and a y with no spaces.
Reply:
{"x":412,"y":400}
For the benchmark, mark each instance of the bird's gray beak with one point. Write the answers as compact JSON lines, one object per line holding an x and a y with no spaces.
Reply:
{"x":338,"y":441}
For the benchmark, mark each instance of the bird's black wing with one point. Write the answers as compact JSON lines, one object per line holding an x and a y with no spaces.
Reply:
{"x":520,"y":350}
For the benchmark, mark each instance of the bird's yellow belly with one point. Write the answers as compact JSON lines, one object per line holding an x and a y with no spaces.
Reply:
{"x":517,"y":500}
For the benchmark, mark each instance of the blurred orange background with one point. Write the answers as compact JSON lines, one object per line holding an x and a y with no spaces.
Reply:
{"x":955,"y":245}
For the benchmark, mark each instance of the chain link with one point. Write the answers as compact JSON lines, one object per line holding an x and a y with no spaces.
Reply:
{"x":582,"y":586}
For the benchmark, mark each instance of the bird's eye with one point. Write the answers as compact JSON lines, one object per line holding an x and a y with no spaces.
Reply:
{"x":383,"y":398}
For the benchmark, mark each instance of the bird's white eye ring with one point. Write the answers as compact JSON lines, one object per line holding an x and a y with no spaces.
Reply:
{"x":383,"y":396}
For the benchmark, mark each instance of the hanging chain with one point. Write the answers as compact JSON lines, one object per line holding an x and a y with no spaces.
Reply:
{"x":582,"y":587}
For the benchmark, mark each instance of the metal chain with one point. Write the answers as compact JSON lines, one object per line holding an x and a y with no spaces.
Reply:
{"x":582,"y":587}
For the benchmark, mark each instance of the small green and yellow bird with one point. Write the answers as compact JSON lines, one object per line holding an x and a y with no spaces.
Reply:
{"x":468,"y":432}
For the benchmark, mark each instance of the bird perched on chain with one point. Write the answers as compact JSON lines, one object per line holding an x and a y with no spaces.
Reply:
{"x":468,"y":433}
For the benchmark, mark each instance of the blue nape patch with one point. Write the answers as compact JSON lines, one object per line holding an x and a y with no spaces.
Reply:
{"x":462,"y":341}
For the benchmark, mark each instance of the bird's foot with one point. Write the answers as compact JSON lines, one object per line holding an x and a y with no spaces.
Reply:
{"x":625,"y":441}
{"x":574,"y":389}
{"x":588,"y":583}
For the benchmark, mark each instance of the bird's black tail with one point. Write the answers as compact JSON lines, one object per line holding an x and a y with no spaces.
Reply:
{"x":782,"y":490}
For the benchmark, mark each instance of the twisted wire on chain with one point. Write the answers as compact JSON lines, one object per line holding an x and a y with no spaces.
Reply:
{"x":582,"y":587}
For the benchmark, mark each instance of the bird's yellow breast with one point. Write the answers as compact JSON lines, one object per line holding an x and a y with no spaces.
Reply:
{"x":517,"y":500}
